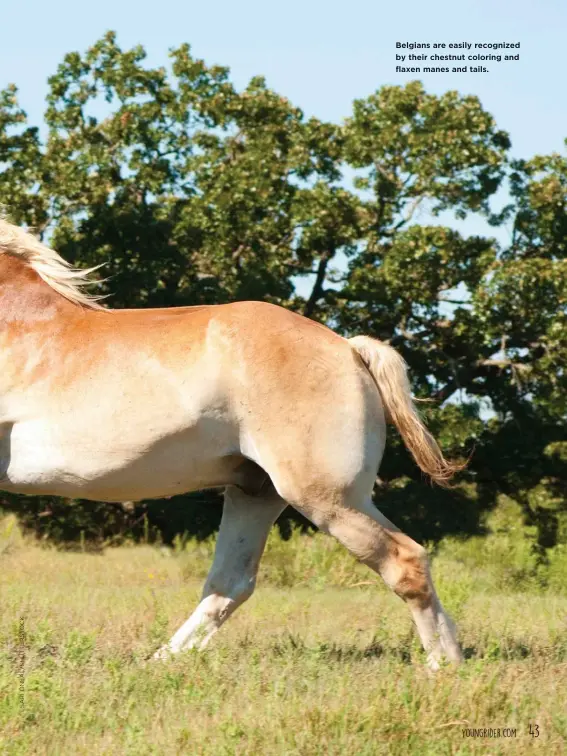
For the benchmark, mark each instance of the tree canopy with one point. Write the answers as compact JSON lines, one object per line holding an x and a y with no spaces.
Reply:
{"x":190,"y":192}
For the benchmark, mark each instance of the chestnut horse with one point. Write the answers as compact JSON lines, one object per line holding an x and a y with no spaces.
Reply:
{"x":116,"y":405}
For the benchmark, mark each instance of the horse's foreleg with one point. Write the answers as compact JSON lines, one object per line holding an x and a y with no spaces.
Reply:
{"x":245,"y":525}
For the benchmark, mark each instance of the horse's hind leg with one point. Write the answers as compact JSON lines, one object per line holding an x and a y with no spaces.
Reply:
{"x":404,"y":566}
{"x":246,"y":522}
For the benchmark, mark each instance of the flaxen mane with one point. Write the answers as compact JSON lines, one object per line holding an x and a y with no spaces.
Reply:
{"x":51,"y":267}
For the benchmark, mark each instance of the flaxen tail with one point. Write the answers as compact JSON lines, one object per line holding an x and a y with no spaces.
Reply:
{"x":389,"y":371}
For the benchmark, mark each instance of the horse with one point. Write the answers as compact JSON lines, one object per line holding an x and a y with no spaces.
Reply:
{"x":129,"y":404}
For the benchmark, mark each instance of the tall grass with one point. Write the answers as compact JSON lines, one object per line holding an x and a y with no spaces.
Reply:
{"x":322,"y":660}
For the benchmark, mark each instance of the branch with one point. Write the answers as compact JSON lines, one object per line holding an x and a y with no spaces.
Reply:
{"x":519,"y":366}
{"x":415,"y":204}
{"x":448,"y":390}
{"x":298,"y":269}
{"x":452,"y":385}
{"x":396,"y":340}
{"x":317,"y":291}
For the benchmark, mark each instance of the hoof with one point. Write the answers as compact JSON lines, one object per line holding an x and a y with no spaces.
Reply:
{"x":162,"y":654}
{"x":433,"y":664}
{"x":436,"y":661}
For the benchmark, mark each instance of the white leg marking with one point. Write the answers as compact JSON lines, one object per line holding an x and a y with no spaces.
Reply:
{"x":245,"y":525}
{"x":437,"y":634}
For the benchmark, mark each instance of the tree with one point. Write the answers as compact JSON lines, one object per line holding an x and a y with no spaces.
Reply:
{"x":193,"y":192}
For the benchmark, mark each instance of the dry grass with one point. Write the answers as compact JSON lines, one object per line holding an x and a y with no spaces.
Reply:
{"x":316,"y":663}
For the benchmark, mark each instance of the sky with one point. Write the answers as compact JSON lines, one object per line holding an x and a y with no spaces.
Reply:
{"x":321,"y":54}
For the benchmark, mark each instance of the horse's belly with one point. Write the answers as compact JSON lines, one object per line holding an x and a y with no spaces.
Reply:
{"x":36,"y":459}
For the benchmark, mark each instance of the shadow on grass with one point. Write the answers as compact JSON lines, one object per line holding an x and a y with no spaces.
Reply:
{"x":294,"y":646}
{"x":505,"y":649}
{"x":509,"y":651}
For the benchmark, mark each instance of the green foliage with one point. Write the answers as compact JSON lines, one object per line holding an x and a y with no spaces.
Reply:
{"x":190,"y":191}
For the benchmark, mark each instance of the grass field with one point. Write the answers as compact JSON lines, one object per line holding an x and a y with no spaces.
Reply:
{"x":322,"y":659}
